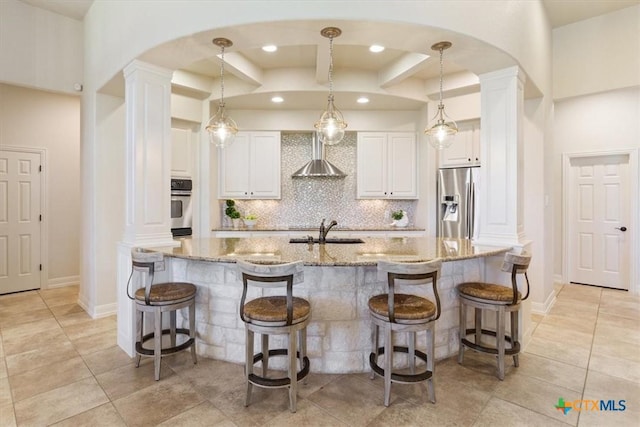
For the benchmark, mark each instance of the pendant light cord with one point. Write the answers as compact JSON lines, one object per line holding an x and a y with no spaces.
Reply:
{"x":441,"y":80}
{"x":222,"y":77}
{"x":331,"y":67}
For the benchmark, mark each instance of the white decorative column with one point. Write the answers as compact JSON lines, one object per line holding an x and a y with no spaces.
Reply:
{"x":501,"y":175}
{"x":501,"y":204}
{"x":148,"y":177}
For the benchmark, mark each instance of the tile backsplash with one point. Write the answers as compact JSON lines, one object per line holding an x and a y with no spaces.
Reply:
{"x":306,"y":201}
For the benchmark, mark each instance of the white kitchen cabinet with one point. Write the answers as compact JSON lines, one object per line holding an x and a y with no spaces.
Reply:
{"x":465,"y":150}
{"x":181,"y":152}
{"x":250,"y":167}
{"x":387,"y":166}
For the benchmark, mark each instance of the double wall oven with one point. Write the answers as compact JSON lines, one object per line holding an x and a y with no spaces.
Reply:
{"x":181,"y":208}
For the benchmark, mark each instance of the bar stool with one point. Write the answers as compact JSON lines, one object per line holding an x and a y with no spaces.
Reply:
{"x":501,"y":300}
{"x":160,"y":298}
{"x":275,"y":315}
{"x":397,"y":312}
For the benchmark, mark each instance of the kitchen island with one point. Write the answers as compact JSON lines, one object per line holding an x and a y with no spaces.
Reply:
{"x":339,"y":280}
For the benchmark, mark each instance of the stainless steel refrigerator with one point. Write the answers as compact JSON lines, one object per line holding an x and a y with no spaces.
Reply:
{"x":457,"y":189}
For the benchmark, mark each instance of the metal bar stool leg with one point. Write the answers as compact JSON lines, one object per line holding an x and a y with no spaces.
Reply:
{"x":412,"y":351}
{"x":303,"y":349}
{"x":500,"y":332}
{"x":515,"y":330}
{"x":192,"y":330}
{"x":141,"y":335}
{"x":478,"y":320}
{"x":463,"y":331}
{"x":388,"y":363}
{"x":431,"y":366}
{"x":374,"y":350}
{"x":293,"y":371}
{"x":172,"y":327}
{"x":248,"y":367}
{"x":265,"y":354}
{"x":157,"y":341}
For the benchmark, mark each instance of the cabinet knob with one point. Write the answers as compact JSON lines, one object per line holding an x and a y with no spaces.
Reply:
{"x":476,"y":159}
{"x":469,"y":159}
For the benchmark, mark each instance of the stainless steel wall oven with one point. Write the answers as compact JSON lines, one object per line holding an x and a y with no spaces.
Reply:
{"x":181,"y":209}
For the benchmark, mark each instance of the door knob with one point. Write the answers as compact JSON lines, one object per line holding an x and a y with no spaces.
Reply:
{"x":621,"y":228}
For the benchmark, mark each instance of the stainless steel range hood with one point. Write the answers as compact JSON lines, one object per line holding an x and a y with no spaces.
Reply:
{"x":318,"y":167}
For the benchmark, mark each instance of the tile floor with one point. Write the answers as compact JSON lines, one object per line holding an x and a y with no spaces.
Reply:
{"x":59,"y":367}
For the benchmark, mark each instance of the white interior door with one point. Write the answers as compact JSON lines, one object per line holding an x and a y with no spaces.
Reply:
{"x":19,"y":221}
{"x":599,"y":213}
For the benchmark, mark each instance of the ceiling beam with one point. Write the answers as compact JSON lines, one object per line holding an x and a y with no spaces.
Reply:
{"x":453,"y":84}
{"x":407,"y":65}
{"x":238,"y":65}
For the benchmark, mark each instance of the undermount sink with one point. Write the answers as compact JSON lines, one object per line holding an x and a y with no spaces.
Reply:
{"x":344,"y":240}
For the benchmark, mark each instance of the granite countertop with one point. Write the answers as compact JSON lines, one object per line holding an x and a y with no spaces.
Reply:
{"x":279,"y":250}
{"x":312,"y":229}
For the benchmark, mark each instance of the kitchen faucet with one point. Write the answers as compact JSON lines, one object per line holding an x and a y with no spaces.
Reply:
{"x":322,"y":238}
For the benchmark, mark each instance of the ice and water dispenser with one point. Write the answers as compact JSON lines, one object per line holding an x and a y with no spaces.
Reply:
{"x":449,"y":207}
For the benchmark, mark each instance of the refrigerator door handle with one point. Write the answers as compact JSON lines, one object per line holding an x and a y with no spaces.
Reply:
{"x":472,"y":210}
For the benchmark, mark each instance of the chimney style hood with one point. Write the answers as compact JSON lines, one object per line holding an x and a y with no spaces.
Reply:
{"x":318,"y":167}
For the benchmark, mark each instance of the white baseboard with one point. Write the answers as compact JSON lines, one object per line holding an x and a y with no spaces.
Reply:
{"x":557,"y":278}
{"x":99,"y":311}
{"x":61,"y":282}
{"x":543,"y":308}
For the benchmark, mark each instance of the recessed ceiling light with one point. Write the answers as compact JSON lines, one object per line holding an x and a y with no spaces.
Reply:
{"x":277,"y":99}
{"x":270,"y":48}
{"x":362,"y":100}
{"x":376,"y":48}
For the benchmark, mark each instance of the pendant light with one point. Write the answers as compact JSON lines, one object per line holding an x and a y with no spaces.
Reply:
{"x":441,"y":134}
{"x":331,"y":125}
{"x":222,"y":129}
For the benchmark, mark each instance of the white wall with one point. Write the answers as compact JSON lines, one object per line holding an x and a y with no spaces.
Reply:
{"x":39,"y":48}
{"x":36,"y":119}
{"x":597,"y":54}
{"x":604,"y":121}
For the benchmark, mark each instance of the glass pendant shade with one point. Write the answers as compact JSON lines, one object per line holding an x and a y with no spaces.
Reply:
{"x":442,"y":133}
{"x":221,"y":128}
{"x":331,"y":125}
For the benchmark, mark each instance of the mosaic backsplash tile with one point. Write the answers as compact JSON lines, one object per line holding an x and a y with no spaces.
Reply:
{"x":306,"y":201}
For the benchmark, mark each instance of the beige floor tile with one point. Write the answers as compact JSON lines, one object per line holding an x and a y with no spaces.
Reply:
{"x":41,"y":380}
{"x":615,"y":367}
{"x":538,"y":396}
{"x":128,"y":379}
{"x":92,"y":343}
{"x":61,"y":403}
{"x":66,"y":309}
{"x":34,"y":342}
{"x":3,"y":368}
{"x":24,"y":330}
{"x":573,"y":323}
{"x":555,"y":350}
{"x":565,"y":336}
{"x":629,"y":335}
{"x":7,"y":416}
{"x":34,"y":359}
{"x":21,"y":302}
{"x":307,"y":414}
{"x":161,"y":401}
{"x":477,"y":371}
{"x":552,"y":371}
{"x":60,"y":296}
{"x":108,"y":359}
{"x":85,"y":329}
{"x":5,"y":392}
{"x":203,"y":415}
{"x":628,"y":309}
{"x":611,"y":320}
{"x":571,"y":307}
{"x":619,"y":295}
{"x":8,"y":320}
{"x":230,"y":397}
{"x":353,"y":400}
{"x":499,"y":412}
{"x":608,"y":346}
{"x":1,"y":347}
{"x":75,"y":318}
{"x":101,"y":416}
{"x":601,"y":386}
{"x":536,"y":318}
